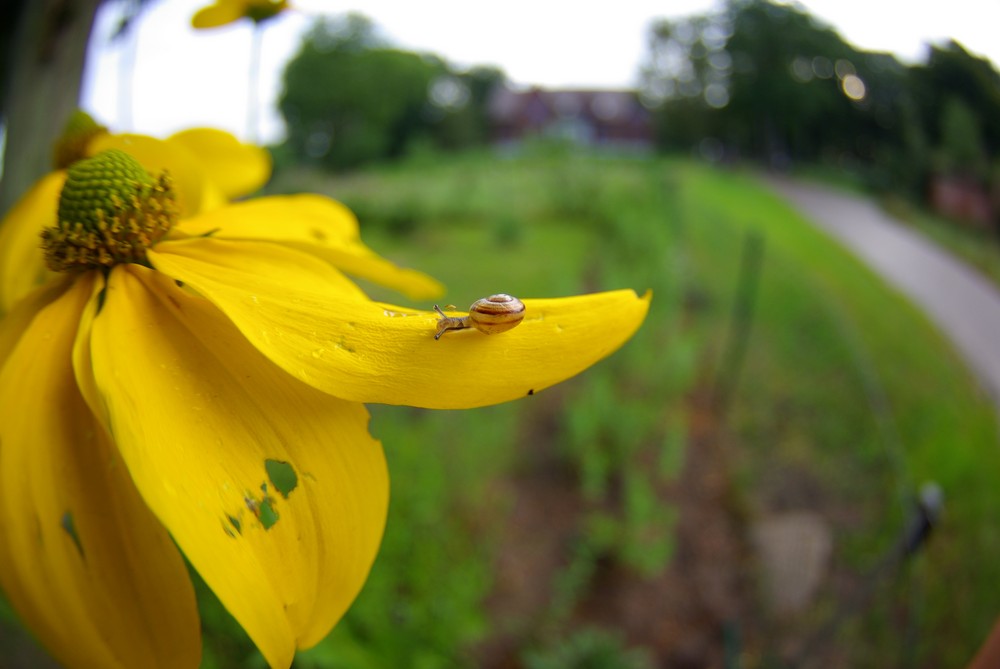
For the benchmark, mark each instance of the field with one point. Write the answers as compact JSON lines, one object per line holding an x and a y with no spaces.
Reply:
{"x":610,"y":521}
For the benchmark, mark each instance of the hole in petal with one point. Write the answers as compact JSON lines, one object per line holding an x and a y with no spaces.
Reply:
{"x":266,"y":513}
{"x":262,"y":508}
{"x":282,"y":475}
{"x":70,"y":526}
{"x":234,"y":524}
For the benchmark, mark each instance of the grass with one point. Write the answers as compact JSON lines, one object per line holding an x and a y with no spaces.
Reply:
{"x":848,"y":400}
{"x":423,"y":605}
{"x":846,"y":388}
{"x":850,"y":387}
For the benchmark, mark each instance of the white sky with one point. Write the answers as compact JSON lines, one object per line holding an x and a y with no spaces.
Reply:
{"x":185,"y":78}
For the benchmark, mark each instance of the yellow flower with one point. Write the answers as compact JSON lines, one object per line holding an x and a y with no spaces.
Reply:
{"x":197,"y":383}
{"x":211,"y":166}
{"x":224,"y":12}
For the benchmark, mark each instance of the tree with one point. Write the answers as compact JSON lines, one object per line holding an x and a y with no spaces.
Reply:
{"x":773,"y":84}
{"x":955,"y":83}
{"x":458,"y":117}
{"x":349,"y":98}
{"x":961,"y":147}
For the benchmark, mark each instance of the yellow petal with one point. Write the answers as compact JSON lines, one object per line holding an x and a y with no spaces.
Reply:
{"x":195,"y":190}
{"x":306,"y":218}
{"x":237,"y":169}
{"x":317,"y":225}
{"x":367,"y":352}
{"x":306,"y":273}
{"x":218,"y":14}
{"x":83,"y":367}
{"x":22,"y":263}
{"x":202,"y":420}
{"x":360,"y":261}
{"x":82,"y":559}
{"x":13,"y":325}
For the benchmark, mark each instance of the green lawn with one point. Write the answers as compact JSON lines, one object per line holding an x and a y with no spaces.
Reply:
{"x":848,"y":401}
{"x":848,"y":386}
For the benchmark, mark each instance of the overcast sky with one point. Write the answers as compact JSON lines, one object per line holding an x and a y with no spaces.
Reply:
{"x":183,"y":78}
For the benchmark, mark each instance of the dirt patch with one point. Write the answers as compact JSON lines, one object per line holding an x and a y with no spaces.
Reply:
{"x":686,"y":616}
{"x":538,"y":533}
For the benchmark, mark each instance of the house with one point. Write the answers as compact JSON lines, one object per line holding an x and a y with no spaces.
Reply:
{"x":593,"y":118}
{"x":964,"y":200}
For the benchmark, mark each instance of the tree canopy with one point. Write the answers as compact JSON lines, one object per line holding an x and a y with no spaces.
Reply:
{"x":349,"y":98}
{"x":767,"y":81}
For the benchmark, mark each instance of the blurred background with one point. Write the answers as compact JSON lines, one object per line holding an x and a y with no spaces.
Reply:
{"x":750,"y":481}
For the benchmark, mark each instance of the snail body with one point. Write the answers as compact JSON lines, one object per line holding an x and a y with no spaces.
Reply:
{"x":490,"y":315}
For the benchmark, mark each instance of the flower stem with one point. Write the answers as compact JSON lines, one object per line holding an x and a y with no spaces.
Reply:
{"x":253,"y":83}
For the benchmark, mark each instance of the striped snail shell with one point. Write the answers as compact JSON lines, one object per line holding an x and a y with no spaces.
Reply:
{"x":490,"y":315}
{"x":496,"y":313}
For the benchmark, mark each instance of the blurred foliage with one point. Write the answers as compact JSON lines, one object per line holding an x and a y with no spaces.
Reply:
{"x":611,"y":445}
{"x":588,"y":649}
{"x":962,"y":148}
{"x":826,"y":328}
{"x":350,"y":99}
{"x":766,"y":81}
{"x":951,"y":72}
{"x":755,"y":80}
{"x":608,"y":443}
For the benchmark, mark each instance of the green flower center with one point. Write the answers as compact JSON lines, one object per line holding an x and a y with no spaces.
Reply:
{"x":110,"y":211}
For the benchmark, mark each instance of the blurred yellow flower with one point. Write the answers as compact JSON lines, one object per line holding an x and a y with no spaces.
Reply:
{"x":224,"y":12}
{"x":196,"y":381}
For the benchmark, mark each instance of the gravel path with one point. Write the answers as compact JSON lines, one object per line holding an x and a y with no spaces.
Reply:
{"x":964,"y":306}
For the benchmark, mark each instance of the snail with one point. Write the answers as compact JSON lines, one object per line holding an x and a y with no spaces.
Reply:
{"x":490,"y":315}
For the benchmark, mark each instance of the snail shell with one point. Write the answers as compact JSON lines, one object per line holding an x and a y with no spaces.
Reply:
{"x":490,"y":315}
{"x":496,"y":313}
